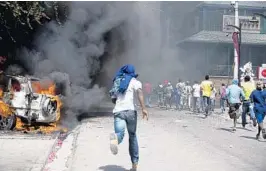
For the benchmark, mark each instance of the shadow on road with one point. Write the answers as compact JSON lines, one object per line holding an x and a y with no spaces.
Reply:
{"x":93,"y":115}
{"x":225,"y":129}
{"x":244,"y":129}
{"x":253,"y":138}
{"x":248,"y":137}
{"x":112,"y":168}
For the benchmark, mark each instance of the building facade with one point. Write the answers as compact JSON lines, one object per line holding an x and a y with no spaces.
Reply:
{"x":207,"y":38}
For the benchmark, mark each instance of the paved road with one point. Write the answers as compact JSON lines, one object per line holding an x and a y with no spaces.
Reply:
{"x":20,"y":152}
{"x":169,"y":141}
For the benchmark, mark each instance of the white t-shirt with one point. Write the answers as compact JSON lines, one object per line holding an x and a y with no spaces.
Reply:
{"x":188,"y":89}
{"x":196,"y":90}
{"x":126,"y":101}
{"x":213,"y":93}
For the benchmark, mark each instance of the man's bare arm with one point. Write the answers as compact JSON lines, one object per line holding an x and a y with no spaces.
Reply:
{"x":141,"y":98}
{"x":142,"y":104}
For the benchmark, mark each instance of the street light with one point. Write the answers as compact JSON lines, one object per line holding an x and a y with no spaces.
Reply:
{"x":259,"y":14}
{"x":253,"y":20}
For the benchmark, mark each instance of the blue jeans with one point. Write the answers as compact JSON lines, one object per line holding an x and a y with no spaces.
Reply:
{"x":128,"y":119}
{"x":246,"y":108}
{"x":212,"y":104}
{"x":196,"y":103}
{"x":177,"y":100}
{"x":222,"y":104}
{"x":207,"y":104}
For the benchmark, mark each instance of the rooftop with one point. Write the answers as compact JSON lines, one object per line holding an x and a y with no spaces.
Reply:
{"x":223,"y":37}
{"x":243,"y":4}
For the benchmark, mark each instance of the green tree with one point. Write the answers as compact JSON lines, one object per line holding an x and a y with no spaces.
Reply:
{"x":19,"y":20}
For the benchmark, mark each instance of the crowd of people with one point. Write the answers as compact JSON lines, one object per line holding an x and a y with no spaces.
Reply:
{"x":243,"y":99}
{"x":184,"y":95}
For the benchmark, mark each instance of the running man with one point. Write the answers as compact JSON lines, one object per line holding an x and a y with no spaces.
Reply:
{"x":222,"y":93}
{"x":213,"y":98}
{"x":196,"y":97}
{"x":248,"y":87}
{"x":258,"y":98}
{"x":125,"y":114}
{"x":235,"y":94}
{"x":206,"y":87}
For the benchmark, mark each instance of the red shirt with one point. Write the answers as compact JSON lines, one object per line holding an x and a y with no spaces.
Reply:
{"x":147,"y":88}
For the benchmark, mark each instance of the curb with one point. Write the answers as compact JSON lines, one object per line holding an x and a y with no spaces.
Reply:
{"x":52,"y":154}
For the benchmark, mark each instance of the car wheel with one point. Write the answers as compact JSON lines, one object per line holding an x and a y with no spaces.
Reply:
{"x":8,"y":123}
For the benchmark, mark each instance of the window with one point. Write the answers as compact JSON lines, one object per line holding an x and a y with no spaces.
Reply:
{"x":214,"y":19}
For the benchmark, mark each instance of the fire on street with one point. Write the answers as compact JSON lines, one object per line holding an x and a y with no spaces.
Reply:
{"x":169,"y":141}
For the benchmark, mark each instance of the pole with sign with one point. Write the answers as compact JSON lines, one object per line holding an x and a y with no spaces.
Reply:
{"x":262,"y":72}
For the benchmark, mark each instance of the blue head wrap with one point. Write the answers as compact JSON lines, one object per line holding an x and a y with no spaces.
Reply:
{"x":127,"y":72}
{"x":235,"y":81}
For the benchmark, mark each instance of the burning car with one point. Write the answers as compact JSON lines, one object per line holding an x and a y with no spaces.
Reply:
{"x":24,"y":99}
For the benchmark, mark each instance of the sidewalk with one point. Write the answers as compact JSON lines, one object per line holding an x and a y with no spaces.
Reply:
{"x":24,"y":152}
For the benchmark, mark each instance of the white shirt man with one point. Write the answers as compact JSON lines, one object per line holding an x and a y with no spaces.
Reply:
{"x":196,"y":97}
{"x":196,"y":90}
{"x":126,"y":101}
{"x":125,"y":115}
{"x":213,"y":94}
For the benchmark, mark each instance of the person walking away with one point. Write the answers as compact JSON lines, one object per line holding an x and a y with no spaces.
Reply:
{"x":234,"y":94}
{"x":168,"y":94}
{"x":248,"y":87}
{"x":183,"y":101}
{"x":147,"y":94}
{"x":206,"y":87}
{"x":222,"y":94}
{"x":160,"y":95}
{"x":188,"y":90}
{"x":258,"y":98}
{"x":124,"y":86}
{"x":196,"y":97}
{"x":180,"y":87}
{"x":177,"y":97}
{"x":165,"y":84}
{"x":213,"y":98}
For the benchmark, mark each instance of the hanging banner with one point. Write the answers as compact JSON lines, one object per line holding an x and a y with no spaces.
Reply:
{"x":235,"y":41}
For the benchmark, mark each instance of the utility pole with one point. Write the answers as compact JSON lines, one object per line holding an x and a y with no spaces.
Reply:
{"x":236,"y":58}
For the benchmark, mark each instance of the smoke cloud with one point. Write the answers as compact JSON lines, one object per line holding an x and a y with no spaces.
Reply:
{"x":69,"y":54}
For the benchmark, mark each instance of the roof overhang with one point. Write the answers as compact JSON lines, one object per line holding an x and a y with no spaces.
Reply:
{"x":223,"y":37}
{"x":227,"y":4}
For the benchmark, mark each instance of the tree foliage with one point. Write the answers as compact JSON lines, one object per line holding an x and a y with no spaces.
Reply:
{"x":20,"y":19}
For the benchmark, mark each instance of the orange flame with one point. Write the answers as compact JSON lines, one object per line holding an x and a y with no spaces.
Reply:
{"x":37,"y":88}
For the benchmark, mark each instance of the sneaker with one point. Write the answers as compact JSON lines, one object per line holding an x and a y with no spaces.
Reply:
{"x":263,"y":131}
{"x":257,"y":137}
{"x":113,"y":143}
{"x":134,"y":167}
{"x":254,"y":122}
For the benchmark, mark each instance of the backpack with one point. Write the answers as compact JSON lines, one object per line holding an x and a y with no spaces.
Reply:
{"x":115,"y":88}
